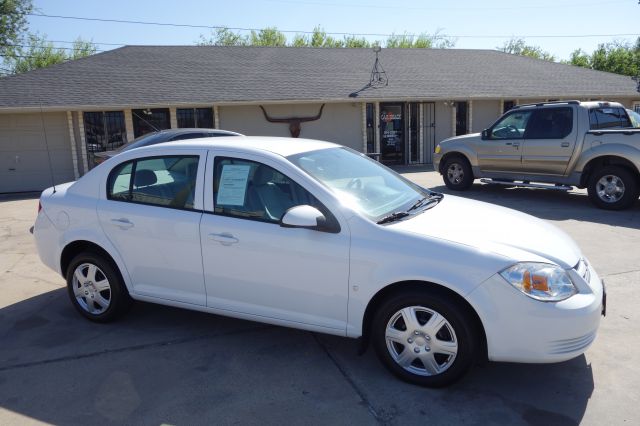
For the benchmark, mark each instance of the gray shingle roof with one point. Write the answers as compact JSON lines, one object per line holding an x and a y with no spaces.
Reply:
{"x":149,"y":75}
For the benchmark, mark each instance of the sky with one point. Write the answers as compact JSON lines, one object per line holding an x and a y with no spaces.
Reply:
{"x":471,"y":24}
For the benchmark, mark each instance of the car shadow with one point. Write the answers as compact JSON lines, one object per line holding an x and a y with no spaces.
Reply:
{"x":165,"y":365}
{"x":549,"y":204}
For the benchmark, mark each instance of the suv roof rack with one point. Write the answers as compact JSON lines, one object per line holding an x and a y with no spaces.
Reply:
{"x":547,"y":103}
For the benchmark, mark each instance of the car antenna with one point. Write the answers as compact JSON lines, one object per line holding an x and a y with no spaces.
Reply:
{"x":46,"y":143}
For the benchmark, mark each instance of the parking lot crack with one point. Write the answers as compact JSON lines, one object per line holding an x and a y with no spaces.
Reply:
{"x":129,"y":349}
{"x":345,"y":374}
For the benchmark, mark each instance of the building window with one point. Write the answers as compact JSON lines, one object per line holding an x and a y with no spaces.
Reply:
{"x":461,"y":118}
{"x":507,"y":106}
{"x":636,"y":107}
{"x":201,"y":118}
{"x":371,"y":126}
{"x":103,"y":131}
{"x":150,"y":120}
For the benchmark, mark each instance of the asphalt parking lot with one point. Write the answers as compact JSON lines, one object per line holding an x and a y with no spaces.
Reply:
{"x":162,"y":365}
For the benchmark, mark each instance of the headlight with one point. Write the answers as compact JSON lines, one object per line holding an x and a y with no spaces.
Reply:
{"x":438,"y":149}
{"x":541,"y":281}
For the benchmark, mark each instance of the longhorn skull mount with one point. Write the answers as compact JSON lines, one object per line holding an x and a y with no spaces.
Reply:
{"x":294,"y":122}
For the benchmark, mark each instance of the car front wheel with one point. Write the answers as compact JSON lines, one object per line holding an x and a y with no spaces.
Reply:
{"x":95,"y":288}
{"x":424,"y":338}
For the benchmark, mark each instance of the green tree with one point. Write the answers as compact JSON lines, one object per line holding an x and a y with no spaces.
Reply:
{"x":223,"y":37}
{"x":269,"y":36}
{"x":421,"y":41}
{"x":517,"y":46}
{"x":13,"y":24}
{"x":580,"y":58}
{"x":41,"y":53}
{"x":618,"y":57}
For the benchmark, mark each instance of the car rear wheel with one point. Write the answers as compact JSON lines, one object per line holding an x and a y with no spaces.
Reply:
{"x":424,"y":338}
{"x":457,"y":174}
{"x":612,"y":188}
{"x":95,"y":288}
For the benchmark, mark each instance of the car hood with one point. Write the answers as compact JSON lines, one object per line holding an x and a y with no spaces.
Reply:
{"x":500,"y":230}
{"x":462,"y":137}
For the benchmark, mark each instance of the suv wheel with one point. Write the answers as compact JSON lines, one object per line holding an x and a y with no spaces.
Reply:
{"x":424,"y":338}
{"x":612,"y":188}
{"x":457,"y":174}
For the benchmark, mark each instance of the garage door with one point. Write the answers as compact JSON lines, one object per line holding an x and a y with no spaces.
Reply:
{"x":24,"y":164}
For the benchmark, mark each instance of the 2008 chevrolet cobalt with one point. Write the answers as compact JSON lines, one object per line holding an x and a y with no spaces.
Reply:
{"x":313,"y":235}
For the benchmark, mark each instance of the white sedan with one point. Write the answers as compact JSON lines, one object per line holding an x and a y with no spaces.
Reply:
{"x":313,"y":235}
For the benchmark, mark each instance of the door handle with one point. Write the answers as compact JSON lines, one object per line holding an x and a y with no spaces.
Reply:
{"x":123,"y":223}
{"x":225,"y":239}
{"x":565,"y":144}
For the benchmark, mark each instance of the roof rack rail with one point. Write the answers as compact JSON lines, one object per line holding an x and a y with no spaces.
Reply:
{"x":547,"y":103}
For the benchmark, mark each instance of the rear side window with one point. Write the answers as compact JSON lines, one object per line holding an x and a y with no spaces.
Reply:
{"x":608,"y":118}
{"x":160,"y":181}
{"x":550,"y":123}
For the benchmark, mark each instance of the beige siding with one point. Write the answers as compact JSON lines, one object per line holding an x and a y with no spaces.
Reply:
{"x":340,"y":122}
{"x":24,"y":163}
{"x":484,"y":114}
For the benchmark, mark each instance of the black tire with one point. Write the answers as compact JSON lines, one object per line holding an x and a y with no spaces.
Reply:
{"x":459,"y":329}
{"x":457,"y":173}
{"x":619,"y":178}
{"x":89,"y":299}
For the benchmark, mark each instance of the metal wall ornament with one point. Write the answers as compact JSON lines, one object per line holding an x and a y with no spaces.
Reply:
{"x":294,"y":122}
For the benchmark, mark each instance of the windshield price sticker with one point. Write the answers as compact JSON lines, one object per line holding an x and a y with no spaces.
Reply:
{"x":233,"y":185}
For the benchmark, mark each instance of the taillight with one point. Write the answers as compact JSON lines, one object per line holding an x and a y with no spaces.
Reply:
{"x":39,"y":206}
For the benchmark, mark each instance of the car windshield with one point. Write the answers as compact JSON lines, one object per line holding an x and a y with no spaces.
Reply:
{"x":363,"y":183}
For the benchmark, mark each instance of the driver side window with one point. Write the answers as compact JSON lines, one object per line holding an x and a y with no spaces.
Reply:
{"x":250,"y":190}
{"x":512,"y":126}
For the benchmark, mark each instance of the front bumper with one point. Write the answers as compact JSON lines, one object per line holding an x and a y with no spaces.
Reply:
{"x":521,"y":329}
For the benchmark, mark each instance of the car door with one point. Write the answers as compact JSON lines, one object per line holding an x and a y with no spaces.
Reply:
{"x":501,"y":149}
{"x":252,"y":265}
{"x":549,"y":141}
{"x":151,"y":213}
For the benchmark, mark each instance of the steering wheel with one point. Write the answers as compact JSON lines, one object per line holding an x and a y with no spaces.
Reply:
{"x":513,"y":128}
{"x":355,"y":183}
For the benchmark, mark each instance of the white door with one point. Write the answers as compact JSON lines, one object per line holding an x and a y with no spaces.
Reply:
{"x":254,"y":266}
{"x":152,"y":216}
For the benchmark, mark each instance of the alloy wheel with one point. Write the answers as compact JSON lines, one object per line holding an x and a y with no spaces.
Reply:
{"x":91,"y":288}
{"x":610,"y":188}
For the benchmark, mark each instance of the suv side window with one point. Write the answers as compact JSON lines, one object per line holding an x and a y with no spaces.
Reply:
{"x":250,"y":190}
{"x":550,"y":123}
{"x":168,"y":181}
{"x":608,"y":118}
{"x":511,"y":126}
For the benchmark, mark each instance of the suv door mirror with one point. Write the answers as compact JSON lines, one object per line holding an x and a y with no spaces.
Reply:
{"x":485,"y":134}
{"x":304,"y":217}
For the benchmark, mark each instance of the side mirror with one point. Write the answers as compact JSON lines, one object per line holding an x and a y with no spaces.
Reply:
{"x":303,"y":217}
{"x":485,"y":134}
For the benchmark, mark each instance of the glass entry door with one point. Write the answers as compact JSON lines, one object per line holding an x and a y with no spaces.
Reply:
{"x":392,"y":146}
